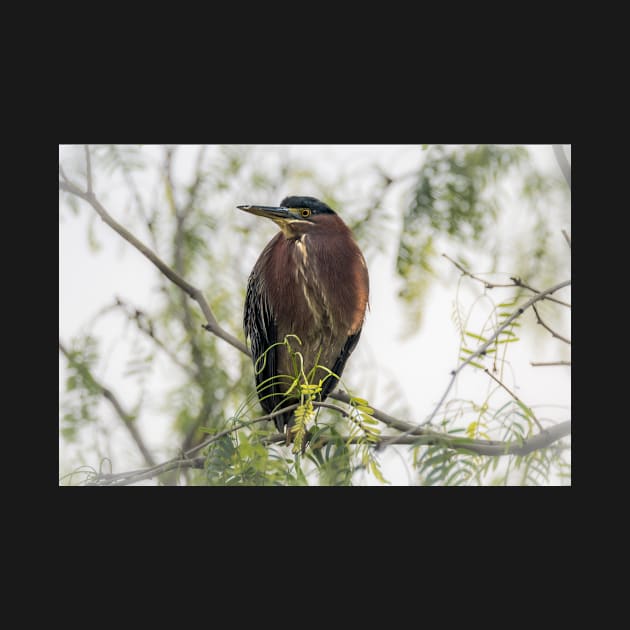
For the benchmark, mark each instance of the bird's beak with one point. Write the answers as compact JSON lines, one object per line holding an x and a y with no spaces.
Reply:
{"x":276,"y":213}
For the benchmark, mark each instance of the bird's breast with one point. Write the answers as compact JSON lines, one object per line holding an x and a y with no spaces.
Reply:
{"x":321,"y":298}
{"x":309,"y":283}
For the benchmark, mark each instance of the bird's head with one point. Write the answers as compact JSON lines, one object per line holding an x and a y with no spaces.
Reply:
{"x":296,"y":216}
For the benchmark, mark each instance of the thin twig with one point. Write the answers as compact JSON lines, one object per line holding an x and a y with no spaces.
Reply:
{"x":385,"y":418}
{"x":516,"y":398}
{"x":181,"y":216}
{"x":88,"y":170}
{"x":341,"y":410}
{"x":553,"y":332}
{"x":148,"y":221}
{"x":198,"y":177}
{"x":212,"y":324}
{"x":516,"y":282}
{"x":145,"y":325}
{"x":154,"y":471}
{"x":63,"y":175}
{"x":519,"y":283}
{"x":482,"y":349}
{"x":488,"y":285}
{"x":548,"y":363}
{"x":125,"y":479}
{"x":491,"y":448}
{"x":563,"y":163}
{"x":567,"y":237}
{"x":127,"y":419}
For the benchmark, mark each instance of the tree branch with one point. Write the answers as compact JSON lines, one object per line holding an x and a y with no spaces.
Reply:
{"x":181,"y":215}
{"x":385,"y":418}
{"x":212,"y":324}
{"x":148,"y":221}
{"x":482,"y":349}
{"x":516,"y":282}
{"x":491,"y":448}
{"x":488,"y":285}
{"x":563,"y":163}
{"x":547,"y":363}
{"x":88,"y":170}
{"x":145,"y":325}
{"x":519,"y":283}
{"x":126,"y":478}
{"x":122,"y":414}
{"x":553,"y":333}
{"x":567,"y":238}
{"x":516,"y":398}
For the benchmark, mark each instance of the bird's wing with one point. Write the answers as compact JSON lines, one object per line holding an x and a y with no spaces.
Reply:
{"x":260,"y":326}
{"x":331,"y":382}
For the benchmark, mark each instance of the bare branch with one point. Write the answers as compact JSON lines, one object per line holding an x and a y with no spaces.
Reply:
{"x":63,"y":175}
{"x":127,"y":478}
{"x":516,"y":398}
{"x":553,"y":333}
{"x":147,"y":220}
{"x":341,"y":410}
{"x":194,"y":187}
{"x":180,"y":460}
{"x":519,"y":283}
{"x":567,"y":237}
{"x":492,"y":448}
{"x":548,"y":363}
{"x":88,"y":170}
{"x":181,"y":216}
{"x":516,"y":282}
{"x":127,"y":419}
{"x":488,"y":285}
{"x":482,"y":349}
{"x":212,"y":324}
{"x":145,"y":325}
{"x":563,"y":163}
{"x":385,"y":418}
{"x":517,"y":313}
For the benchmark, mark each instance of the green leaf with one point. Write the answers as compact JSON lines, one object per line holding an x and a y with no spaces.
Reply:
{"x":355,"y":401}
{"x":377,"y":472}
{"x":528,"y":412}
{"x":474,"y":336}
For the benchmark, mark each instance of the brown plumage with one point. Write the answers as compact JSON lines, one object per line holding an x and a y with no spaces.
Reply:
{"x":311,"y":280}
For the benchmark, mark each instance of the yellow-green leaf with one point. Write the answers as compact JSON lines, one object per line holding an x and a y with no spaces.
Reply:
{"x":476,"y":336}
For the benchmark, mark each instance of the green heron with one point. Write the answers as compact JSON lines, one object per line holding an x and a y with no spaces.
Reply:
{"x":311,"y":281}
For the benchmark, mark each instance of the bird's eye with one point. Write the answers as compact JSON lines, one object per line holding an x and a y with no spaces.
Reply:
{"x":305,"y":212}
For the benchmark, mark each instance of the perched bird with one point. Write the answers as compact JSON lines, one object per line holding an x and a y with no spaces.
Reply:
{"x":311,"y":281}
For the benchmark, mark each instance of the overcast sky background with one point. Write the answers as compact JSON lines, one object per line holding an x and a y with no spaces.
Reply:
{"x":418,"y":365}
